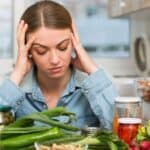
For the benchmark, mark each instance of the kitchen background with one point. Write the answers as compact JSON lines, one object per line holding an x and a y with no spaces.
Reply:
{"x":115,"y":33}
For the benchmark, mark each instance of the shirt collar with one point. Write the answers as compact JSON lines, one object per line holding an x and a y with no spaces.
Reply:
{"x":72,"y":85}
{"x":37,"y":93}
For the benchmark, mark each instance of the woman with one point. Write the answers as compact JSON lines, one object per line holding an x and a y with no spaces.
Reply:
{"x":46,"y":76}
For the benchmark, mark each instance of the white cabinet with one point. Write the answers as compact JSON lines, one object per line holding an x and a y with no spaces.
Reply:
{"x":119,"y":8}
{"x":145,"y":3}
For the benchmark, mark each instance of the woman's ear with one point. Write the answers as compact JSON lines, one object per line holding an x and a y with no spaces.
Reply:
{"x":30,"y":56}
{"x":73,"y":54}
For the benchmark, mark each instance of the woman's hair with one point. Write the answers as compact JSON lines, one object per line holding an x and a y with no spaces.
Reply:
{"x":46,"y":13}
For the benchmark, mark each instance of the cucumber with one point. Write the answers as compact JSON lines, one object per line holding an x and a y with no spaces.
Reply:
{"x":13,"y":131}
{"x":29,"y":139}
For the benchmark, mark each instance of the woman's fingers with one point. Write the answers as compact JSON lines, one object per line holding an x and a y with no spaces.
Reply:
{"x":75,"y":32}
{"x":29,"y":43}
{"x":19,"y":30}
{"x":19,"y":27}
{"x":77,"y":46}
{"x":22,"y":34}
{"x":82,"y":60}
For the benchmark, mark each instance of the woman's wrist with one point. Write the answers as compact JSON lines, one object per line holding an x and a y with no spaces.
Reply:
{"x":92,"y":69}
{"x":16,"y":77}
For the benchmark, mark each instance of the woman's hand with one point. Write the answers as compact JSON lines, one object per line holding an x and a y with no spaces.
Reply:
{"x":23,"y":63}
{"x":82,"y":61}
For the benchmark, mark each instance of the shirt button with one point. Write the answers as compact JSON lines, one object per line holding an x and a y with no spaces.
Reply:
{"x":86,"y":91}
{"x":44,"y":106}
{"x":18,"y":102}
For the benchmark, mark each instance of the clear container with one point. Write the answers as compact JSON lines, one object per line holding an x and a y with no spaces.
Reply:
{"x":128,"y":117}
{"x":142,"y":87}
{"x":90,"y":130}
{"x":130,"y":107}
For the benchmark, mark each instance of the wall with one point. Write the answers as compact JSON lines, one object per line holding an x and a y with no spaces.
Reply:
{"x":140,"y":26}
{"x":140,"y":22}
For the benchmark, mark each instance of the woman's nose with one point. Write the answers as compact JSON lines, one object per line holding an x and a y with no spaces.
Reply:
{"x":53,"y":57}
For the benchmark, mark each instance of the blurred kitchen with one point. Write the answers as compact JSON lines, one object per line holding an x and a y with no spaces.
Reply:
{"x":115,"y":33}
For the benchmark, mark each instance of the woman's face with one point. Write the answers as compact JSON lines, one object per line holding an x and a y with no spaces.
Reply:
{"x":51,"y":51}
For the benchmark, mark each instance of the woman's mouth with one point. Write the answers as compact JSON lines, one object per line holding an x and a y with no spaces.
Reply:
{"x":55,"y":69}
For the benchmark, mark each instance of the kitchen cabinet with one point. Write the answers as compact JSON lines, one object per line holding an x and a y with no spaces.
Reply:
{"x":118,"y":8}
{"x":145,"y":3}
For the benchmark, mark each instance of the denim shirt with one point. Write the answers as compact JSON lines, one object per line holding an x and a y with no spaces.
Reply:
{"x":91,"y":98}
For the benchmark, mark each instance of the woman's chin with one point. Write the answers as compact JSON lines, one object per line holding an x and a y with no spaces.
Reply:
{"x":56,"y":75}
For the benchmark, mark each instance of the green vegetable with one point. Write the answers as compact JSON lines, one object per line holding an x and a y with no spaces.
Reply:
{"x":58,"y":111}
{"x":112,"y":146}
{"x":63,"y":139}
{"x":29,"y":139}
{"x":143,"y":132}
{"x":148,"y":130}
{"x":13,"y":131}
{"x":47,"y":120}
{"x":47,"y":117}
{"x":22,"y":122}
{"x":22,"y":148}
{"x":103,"y":140}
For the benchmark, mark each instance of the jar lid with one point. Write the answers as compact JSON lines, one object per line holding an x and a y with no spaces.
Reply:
{"x":130,"y":120}
{"x":4,"y":108}
{"x":90,"y":130}
{"x":127,"y":99}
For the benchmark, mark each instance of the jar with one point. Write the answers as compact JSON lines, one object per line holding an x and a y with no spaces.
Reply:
{"x":6,"y":115}
{"x":128,"y":117}
{"x":90,"y":130}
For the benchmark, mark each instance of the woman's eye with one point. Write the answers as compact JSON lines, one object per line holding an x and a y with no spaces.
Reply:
{"x":62,"y":48}
{"x":40,"y":51}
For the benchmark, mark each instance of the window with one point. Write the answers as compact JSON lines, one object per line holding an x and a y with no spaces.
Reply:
{"x":6,"y":50}
{"x":100,"y":35}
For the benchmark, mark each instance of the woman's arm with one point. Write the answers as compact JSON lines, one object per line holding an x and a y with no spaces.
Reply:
{"x":10,"y":94}
{"x":24,"y":63}
{"x":97,"y":87}
{"x":101,"y":93}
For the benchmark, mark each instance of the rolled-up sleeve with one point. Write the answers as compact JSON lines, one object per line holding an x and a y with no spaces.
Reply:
{"x":100,"y":92}
{"x":10,"y":94}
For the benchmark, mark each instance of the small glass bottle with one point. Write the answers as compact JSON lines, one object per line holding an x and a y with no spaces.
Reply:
{"x":6,"y":115}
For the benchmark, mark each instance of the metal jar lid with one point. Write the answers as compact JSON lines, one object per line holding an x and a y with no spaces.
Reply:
{"x":90,"y":130}
{"x":127,"y":99}
{"x":6,"y":115}
{"x":5,"y":108}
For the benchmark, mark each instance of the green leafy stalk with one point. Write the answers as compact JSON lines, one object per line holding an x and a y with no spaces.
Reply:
{"x":29,"y":139}
{"x":47,"y":120}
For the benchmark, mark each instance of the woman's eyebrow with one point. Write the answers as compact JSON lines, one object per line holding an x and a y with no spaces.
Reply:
{"x":40,"y":45}
{"x":46,"y":47}
{"x":68,"y":39}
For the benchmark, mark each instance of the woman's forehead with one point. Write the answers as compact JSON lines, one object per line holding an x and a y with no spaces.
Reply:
{"x":54,"y":36}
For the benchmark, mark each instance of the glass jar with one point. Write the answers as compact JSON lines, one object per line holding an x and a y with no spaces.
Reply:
{"x":128,"y":117}
{"x":6,"y":115}
{"x":90,"y":130}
